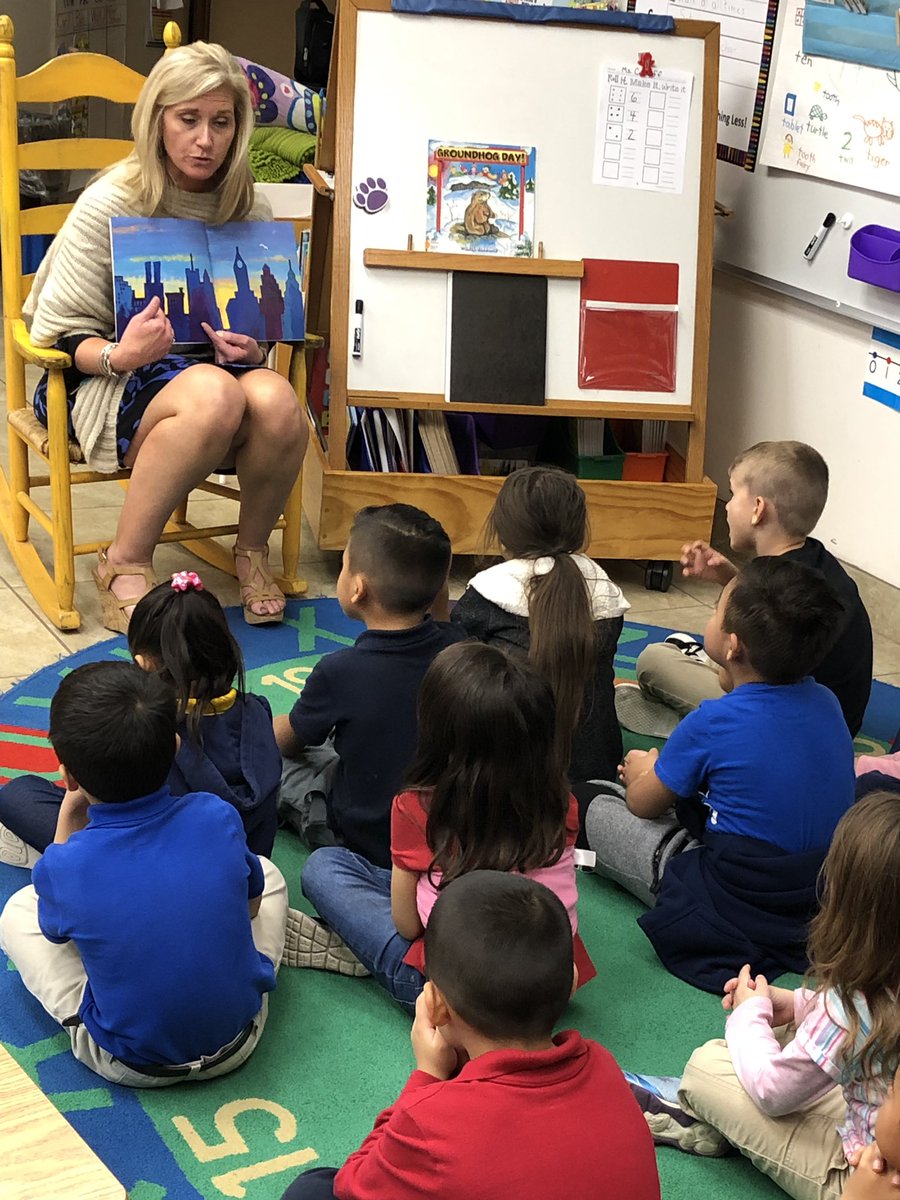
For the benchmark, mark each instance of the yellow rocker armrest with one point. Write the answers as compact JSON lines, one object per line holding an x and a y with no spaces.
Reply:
{"x":43,"y":356}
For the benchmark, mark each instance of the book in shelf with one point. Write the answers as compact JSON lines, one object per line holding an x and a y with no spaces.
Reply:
{"x":243,"y":276}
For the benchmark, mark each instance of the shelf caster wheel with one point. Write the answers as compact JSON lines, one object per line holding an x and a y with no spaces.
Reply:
{"x":658,"y":576}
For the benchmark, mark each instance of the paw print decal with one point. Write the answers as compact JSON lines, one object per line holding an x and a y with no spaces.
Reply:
{"x":371,"y":195}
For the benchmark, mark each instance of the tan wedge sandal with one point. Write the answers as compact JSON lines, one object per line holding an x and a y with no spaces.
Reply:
{"x":259,"y":585}
{"x":112,"y":608}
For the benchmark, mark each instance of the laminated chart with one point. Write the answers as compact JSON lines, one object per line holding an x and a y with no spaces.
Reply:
{"x":830,"y":119}
{"x":642,"y":124}
{"x":747,"y":28}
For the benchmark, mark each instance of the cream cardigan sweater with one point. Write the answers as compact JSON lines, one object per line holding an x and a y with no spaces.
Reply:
{"x":73,"y":293}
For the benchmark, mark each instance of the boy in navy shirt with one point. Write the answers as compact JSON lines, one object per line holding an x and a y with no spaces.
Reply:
{"x":150,"y":932}
{"x":749,"y":789}
{"x":778,"y":492}
{"x":394,"y":570}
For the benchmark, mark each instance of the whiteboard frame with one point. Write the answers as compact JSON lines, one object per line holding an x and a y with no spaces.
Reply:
{"x":697,"y":224}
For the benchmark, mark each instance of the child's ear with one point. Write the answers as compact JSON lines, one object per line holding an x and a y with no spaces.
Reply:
{"x":359,"y":588}
{"x":734,"y":648}
{"x":68,"y":778}
{"x":436,"y":1005}
{"x":762,"y":511}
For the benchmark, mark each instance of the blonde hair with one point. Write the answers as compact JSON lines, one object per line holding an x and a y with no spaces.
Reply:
{"x":853,"y":948}
{"x":792,"y":476}
{"x":184,"y":74}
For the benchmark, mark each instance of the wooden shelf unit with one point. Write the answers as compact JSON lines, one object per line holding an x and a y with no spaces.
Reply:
{"x":628,"y":519}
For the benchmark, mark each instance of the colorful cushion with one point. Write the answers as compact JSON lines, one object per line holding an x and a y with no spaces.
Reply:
{"x":279,"y":100}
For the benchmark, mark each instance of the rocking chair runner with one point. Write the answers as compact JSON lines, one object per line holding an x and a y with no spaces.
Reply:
{"x":78,"y":74}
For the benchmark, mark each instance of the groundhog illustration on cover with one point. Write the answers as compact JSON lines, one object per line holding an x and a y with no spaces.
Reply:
{"x":477,"y":217}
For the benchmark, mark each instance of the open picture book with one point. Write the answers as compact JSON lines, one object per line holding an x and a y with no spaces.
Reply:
{"x":243,"y":276}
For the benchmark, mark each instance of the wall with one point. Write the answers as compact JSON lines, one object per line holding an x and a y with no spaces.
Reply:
{"x":31,"y":19}
{"x":781,"y":369}
{"x":263,"y":30}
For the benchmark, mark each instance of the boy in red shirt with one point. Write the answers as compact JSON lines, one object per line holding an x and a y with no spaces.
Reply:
{"x":498,"y":1106}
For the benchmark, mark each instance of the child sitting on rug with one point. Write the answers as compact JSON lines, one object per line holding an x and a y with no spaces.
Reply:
{"x":486,"y":791}
{"x":394,"y":567}
{"x":778,"y":492}
{"x":548,"y":600}
{"x":497,"y":1105}
{"x":227,"y":745}
{"x":796,"y":1084}
{"x":150,"y":933}
{"x":748,"y":789}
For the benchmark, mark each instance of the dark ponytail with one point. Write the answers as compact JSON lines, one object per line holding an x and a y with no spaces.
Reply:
{"x":186,"y":635}
{"x":541,"y":512}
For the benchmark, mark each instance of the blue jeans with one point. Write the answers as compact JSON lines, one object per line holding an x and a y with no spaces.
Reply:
{"x":353,"y":897}
{"x":317,"y":1184}
{"x":29,"y":808}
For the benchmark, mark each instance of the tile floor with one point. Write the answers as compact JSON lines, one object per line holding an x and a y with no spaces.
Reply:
{"x":28,"y":641}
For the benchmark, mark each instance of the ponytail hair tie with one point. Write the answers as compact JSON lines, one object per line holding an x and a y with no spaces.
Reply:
{"x":186,"y":581}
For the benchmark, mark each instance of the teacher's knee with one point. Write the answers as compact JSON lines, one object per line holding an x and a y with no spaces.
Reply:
{"x":272,"y":407}
{"x":216,"y":404}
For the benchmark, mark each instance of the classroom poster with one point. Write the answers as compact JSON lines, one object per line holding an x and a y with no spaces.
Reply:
{"x":747,"y":28}
{"x":830,"y":119}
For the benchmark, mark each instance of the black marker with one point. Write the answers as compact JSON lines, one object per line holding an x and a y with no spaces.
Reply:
{"x":358,"y":329}
{"x":819,"y":236}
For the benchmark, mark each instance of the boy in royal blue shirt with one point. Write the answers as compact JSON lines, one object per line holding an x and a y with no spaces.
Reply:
{"x":150,"y":932}
{"x":394,"y":571}
{"x":725,"y":829}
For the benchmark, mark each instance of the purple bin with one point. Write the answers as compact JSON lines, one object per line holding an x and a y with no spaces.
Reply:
{"x":875,"y":256}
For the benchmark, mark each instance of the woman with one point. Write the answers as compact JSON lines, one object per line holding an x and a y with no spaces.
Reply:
{"x":172,"y":419}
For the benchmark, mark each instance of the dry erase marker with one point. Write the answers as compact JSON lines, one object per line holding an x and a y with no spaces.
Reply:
{"x":357,"y":329}
{"x":819,"y":236}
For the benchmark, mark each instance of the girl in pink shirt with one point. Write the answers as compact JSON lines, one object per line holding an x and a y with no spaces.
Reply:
{"x":487,"y":791}
{"x":798,"y":1080}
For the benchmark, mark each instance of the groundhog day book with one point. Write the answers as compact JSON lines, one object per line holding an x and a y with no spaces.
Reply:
{"x":243,"y":276}
{"x":480,"y":199}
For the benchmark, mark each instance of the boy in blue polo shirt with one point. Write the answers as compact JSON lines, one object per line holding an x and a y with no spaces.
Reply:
{"x":724,"y":830}
{"x":150,"y":932}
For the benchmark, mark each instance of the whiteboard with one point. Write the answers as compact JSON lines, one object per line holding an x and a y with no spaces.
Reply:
{"x":419,"y":78}
{"x":778,"y":212}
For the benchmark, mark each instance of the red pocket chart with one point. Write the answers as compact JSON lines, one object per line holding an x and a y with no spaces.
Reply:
{"x":629,"y":323}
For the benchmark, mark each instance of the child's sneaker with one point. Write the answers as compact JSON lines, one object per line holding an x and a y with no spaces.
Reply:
{"x":636,"y":711}
{"x":672,"y":1126}
{"x":689,"y":646}
{"x":312,"y":946}
{"x":14,"y":852}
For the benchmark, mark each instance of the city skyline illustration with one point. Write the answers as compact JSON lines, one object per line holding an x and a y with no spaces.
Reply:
{"x":242,"y":276}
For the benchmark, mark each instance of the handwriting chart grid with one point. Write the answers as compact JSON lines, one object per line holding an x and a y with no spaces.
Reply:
{"x":642,"y":124}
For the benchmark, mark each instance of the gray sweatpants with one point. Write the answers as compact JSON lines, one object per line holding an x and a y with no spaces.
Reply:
{"x":631,"y":851}
{"x":305,"y":786}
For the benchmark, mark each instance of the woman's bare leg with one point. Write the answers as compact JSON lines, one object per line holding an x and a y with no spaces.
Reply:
{"x":268,"y":453}
{"x":187,"y":431}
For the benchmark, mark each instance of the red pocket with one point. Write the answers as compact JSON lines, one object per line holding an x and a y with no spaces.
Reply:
{"x":629,"y":326}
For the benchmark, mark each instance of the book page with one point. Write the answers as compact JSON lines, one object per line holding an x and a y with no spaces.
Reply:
{"x":256,"y":276}
{"x":167,"y":258}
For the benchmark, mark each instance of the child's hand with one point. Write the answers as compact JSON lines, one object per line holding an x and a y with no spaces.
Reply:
{"x":872,"y":1177}
{"x":637,"y":763}
{"x":700,"y":561}
{"x":432,"y":1054}
{"x":745,"y":987}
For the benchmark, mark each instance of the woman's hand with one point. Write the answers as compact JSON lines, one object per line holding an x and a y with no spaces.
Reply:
{"x":234,"y":347}
{"x":148,"y":337}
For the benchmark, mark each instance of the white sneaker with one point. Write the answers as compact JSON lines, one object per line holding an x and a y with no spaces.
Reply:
{"x":636,"y":711}
{"x":309,"y":945}
{"x":14,"y":852}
